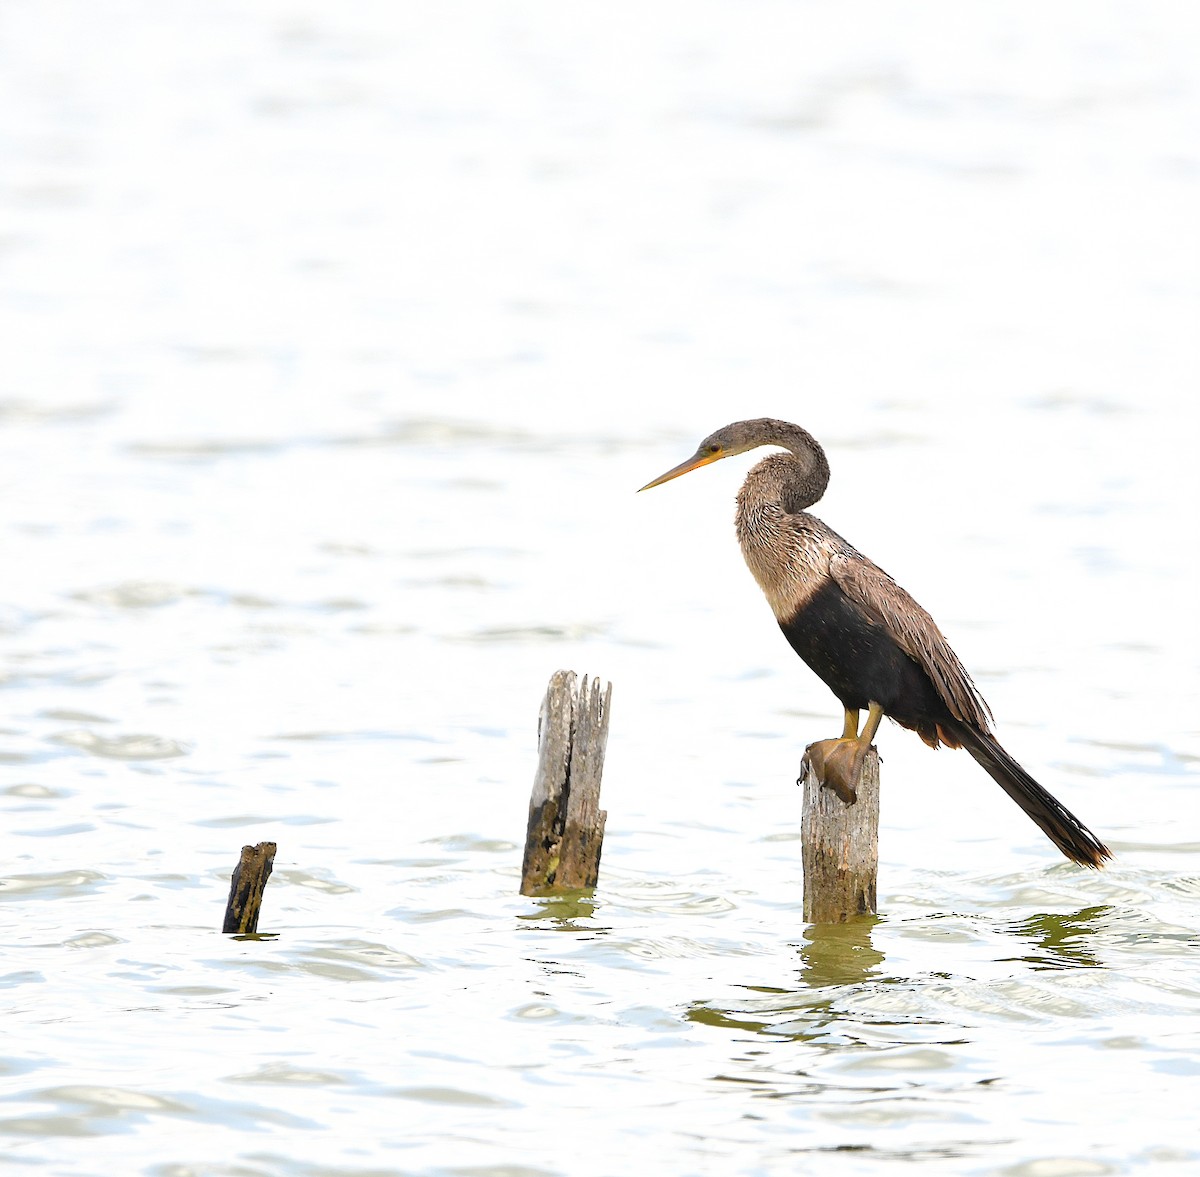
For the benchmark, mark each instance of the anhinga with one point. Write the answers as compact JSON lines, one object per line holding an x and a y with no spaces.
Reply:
{"x":863,"y":635}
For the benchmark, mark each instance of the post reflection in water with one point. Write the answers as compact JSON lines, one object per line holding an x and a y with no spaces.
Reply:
{"x":840,"y":954}
{"x":570,"y":911}
{"x":832,"y":957}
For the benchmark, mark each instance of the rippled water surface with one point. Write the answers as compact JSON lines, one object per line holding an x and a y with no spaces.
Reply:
{"x":336,"y":343}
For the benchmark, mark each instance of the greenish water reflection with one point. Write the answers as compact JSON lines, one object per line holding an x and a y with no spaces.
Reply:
{"x":1061,"y":941}
{"x":566,"y":911}
{"x":833,"y":957}
{"x":840,"y":954}
{"x":836,"y":961}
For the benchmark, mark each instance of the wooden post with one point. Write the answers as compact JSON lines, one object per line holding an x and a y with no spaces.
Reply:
{"x":246,"y":887}
{"x":840,"y":848}
{"x":566,"y":823}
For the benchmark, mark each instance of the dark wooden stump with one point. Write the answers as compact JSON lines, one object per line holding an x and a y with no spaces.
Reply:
{"x":566,"y":824}
{"x":246,"y":887}
{"x":840,"y":848}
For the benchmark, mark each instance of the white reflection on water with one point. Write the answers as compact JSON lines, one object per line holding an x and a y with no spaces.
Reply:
{"x":336,"y":342}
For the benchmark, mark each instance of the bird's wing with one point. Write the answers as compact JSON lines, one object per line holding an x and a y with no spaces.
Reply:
{"x":914,"y":631}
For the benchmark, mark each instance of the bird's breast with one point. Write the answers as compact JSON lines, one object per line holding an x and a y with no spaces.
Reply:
{"x":788,"y":562}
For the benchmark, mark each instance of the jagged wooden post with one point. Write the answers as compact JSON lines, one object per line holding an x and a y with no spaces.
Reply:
{"x":566,"y":823}
{"x":840,"y":848}
{"x":246,"y":887}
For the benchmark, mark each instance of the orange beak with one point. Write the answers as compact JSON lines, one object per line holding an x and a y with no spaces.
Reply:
{"x":697,"y":460}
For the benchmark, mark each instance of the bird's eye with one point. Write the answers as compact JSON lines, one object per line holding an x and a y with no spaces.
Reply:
{"x":712,"y":449}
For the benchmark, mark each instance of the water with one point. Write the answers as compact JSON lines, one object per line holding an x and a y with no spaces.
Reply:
{"x":335,"y":345}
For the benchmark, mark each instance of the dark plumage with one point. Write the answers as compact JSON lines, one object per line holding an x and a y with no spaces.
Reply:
{"x":862,"y":634}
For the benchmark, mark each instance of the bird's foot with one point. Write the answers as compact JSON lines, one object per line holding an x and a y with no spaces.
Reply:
{"x":838,"y":764}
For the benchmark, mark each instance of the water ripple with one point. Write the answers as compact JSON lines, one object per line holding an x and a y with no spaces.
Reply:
{"x":139,"y":746}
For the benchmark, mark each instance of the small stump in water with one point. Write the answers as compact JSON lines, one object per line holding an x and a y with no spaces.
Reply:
{"x":566,"y":823}
{"x":246,"y":888}
{"x":840,"y":847}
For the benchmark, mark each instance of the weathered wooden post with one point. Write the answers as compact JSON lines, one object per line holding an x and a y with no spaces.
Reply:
{"x":840,"y":847}
{"x":566,"y":823}
{"x":246,"y":887}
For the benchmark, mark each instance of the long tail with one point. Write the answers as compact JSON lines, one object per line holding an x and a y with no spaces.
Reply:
{"x":1056,"y":821}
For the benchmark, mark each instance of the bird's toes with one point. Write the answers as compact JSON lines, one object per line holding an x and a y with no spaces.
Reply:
{"x":835,"y":763}
{"x":842,"y":782}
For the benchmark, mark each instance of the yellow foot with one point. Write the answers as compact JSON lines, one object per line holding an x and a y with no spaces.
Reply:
{"x":838,"y":764}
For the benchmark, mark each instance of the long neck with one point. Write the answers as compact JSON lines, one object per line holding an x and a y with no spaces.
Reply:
{"x":793,"y":481}
{"x":789,"y":563}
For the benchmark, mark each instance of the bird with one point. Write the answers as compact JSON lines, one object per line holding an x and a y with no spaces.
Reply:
{"x":865,"y":637}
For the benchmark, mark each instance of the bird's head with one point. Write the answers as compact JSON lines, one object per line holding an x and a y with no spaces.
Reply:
{"x":732,"y":439}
